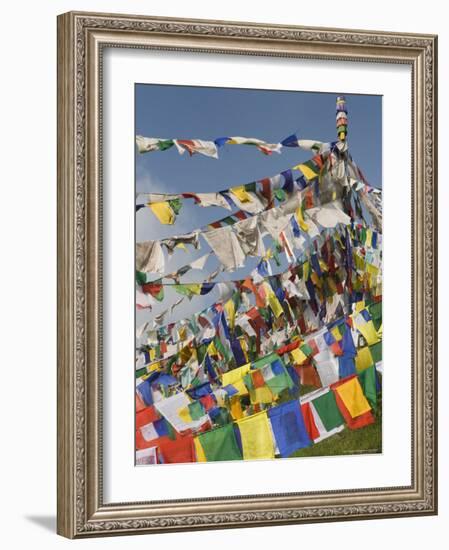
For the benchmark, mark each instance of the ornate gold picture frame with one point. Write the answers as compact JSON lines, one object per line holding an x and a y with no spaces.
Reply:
{"x":82,"y":40}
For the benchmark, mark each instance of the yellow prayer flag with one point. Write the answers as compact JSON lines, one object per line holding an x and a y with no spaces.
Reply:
{"x":185,"y":354}
{"x":379,"y":332}
{"x":261,"y":395}
{"x":298,"y":356}
{"x":306,"y":270}
{"x":372,"y":269}
{"x":257,"y":441}
{"x":194,"y":288}
{"x":273,"y":302}
{"x":199,"y":451}
{"x":352,"y":396}
{"x":316,"y":279}
{"x":152,"y":354}
{"x":363,"y":359}
{"x":336,"y":334}
{"x":184,"y":414}
{"x":244,"y":347}
{"x":368,"y":331}
{"x":369,"y":236}
{"x":236,"y":408}
{"x":211,"y":349}
{"x":241,"y":193}
{"x":359,"y":262}
{"x":229,"y":307}
{"x":163,"y":212}
{"x":235,"y":377}
{"x":323,"y":265}
{"x":308,"y":173}
{"x":300,"y":219}
{"x":154,"y":366}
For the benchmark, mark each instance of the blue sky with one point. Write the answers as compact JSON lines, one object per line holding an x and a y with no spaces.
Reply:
{"x":187,"y":112}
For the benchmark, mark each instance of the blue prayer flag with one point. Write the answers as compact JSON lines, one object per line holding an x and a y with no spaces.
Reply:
{"x":346,"y":366}
{"x":219,"y":142}
{"x":277,"y":367}
{"x":145,"y":392}
{"x":288,"y":427}
{"x":230,"y":390}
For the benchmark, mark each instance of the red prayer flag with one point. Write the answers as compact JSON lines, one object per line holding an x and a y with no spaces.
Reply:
{"x":147,"y":415}
{"x":140,"y":405}
{"x":309,"y":421}
{"x":179,"y":450}
{"x":142,"y":443}
{"x":257,"y":379}
{"x":358,"y":422}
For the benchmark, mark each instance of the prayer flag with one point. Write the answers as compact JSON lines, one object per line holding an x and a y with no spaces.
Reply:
{"x":219,"y":444}
{"x":178,"y":450}
{"x":352,"y":396}
{"x":163,"y":212}
{"x":288,"y":427}
{"x":326,"y":407}
{"x":309,"y":421}
{"x":368,"y":381}
{"x":257,"y":441}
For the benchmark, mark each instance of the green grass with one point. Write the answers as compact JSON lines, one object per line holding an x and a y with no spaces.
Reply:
{"x":364,"y":440}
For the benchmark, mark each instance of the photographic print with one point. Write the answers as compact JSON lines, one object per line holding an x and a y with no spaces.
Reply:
{"x":222,"y":274}
{"x":258,"y":274}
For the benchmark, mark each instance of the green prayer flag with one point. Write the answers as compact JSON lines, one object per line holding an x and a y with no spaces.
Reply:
{"x":196,"y":410}
{"x":250,"y":187}
{"x":229,"y":220}
{"x":327,"y":409}
{"x":376,"y":351}
{"x":367,"y":380}
{"x":375,"y":310}
{"x":164,"y":144}
{"x":185,"y":290}
{"x":279,"y":194}
{"x":279,"y":383}
{"x":248,"y":381}
{"x":141,"y":372}
{"x":176,"y":205}
{"x":141,"y":277}
{"x":221,"y":348}
{"x":222,"y":418}
{"x":267,"y":360}
{"x":220,"y":444}
{"x":306,"y":349}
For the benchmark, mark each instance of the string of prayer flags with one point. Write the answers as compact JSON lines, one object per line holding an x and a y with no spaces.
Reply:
{"x":210,"y":148}
{"x":342,"y":118}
